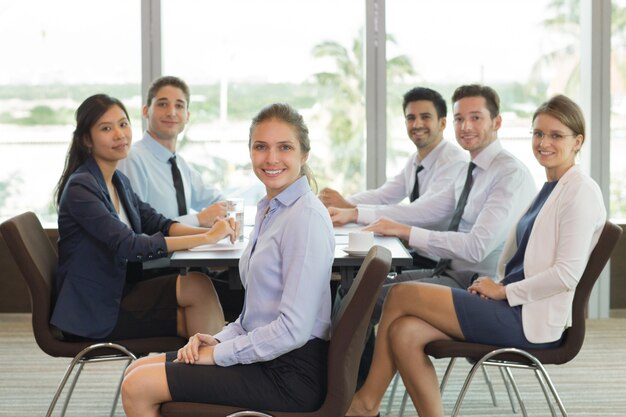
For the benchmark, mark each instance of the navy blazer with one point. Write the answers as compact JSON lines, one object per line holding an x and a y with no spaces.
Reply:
{"x":95,"y":247}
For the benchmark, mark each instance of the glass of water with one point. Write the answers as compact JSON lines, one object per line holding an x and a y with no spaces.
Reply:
{"x":235,"y":210}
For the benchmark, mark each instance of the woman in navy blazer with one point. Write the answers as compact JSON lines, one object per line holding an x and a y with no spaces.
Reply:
{"x":530,"y":306}
{"x":106,"y":232}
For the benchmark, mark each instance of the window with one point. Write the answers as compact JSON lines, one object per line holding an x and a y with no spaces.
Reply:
{"x":52,"y":61}
{"x":510,"y":46}
{"x":618,"y":110}
{"x":239,"y":56}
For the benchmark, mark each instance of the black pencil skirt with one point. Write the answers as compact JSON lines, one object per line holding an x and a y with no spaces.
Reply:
{"x":295,"y":381}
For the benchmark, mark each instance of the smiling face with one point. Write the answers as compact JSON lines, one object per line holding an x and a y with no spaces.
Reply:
{"x":110,"y":137}
{"x":276,"y":155}
{"x":473,"y":125}
{"x":554,"y":145}
{"x":424,"y":127}
{"x":167,"y":114}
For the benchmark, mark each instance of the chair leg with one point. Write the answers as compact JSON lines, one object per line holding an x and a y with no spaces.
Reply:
{"x":446,"y":375}
{"x":392,"y":394}
{"x":79,"y":359}
{"x":57,"y":394}
{"x":405,"y":398}
{"x":541,"y":370}
{"x":507,"y":385}
{"x":465,"y":387}
{"x":490,"y":386}
{"x":72,"y":386}
{"x":545,"y":393}
{"x":518,"y":395}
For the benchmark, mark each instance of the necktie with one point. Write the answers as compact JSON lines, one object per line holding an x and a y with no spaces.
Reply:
{"x":444,"y":263}
{"x":178,"y":185}
{"x":416,"y":187}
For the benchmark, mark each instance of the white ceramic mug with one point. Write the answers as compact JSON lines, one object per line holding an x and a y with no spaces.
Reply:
{"x":360,"y":241}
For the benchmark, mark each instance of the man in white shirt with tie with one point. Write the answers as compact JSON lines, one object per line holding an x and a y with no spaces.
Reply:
{"x":426,"y":176}
{"x":428,"y":172}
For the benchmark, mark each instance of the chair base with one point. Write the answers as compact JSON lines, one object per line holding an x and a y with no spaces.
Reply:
{"x":535,"y":365}
{"x":81,"y":360}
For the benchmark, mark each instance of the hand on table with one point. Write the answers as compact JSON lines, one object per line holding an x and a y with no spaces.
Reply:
{"x":341,"y":216}
{"x":387,"y":227}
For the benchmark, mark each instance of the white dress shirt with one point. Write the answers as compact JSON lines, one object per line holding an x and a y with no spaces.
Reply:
{"x":150,"y":173}
{"x":285,"y":270}
{"x":502,"y":189}
{"x":434,"y":208}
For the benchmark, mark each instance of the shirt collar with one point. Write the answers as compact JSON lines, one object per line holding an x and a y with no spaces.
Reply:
{"x":288,"y":196}
{"x":159,"y":151}
{"x":432,"y":156}
{"x":487,"y":155}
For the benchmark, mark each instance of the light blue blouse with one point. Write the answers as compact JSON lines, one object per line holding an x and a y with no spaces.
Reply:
{"x":285,"y":270}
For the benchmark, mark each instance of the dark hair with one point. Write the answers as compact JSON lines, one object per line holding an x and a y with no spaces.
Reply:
{"x":476,"y":90}
{"x":165,"y":81}
{"x":87,"y":114}
{"x":566,"y":111}
{"x":287,"y":114}
{"x":423,"y":93}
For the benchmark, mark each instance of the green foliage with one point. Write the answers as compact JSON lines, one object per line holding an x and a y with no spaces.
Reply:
{"x":342,"y":94}
{"x":40,"y":115}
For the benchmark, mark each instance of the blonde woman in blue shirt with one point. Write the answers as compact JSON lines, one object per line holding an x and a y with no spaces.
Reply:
{"x":273,"y":356}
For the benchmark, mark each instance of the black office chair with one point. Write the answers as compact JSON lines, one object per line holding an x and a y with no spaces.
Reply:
{"x":37,"y":260}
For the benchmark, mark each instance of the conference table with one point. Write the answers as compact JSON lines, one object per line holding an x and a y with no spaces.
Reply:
{"x":226,"y":255}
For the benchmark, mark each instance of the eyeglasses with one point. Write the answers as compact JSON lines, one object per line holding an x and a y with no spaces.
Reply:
{"x":538,"y":134}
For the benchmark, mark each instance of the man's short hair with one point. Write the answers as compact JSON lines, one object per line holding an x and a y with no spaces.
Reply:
{"x":423,"y":93}
{"x":477,"y":90}
{"x":165,"y":81}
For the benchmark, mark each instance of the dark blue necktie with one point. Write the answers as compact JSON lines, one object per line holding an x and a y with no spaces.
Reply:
{"x":444,"y":263}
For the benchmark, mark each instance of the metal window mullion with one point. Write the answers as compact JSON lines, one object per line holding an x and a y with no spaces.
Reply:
{"x":375,"y":93}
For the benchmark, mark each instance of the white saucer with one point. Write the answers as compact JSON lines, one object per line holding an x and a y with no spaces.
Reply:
{"x":355,"y":252}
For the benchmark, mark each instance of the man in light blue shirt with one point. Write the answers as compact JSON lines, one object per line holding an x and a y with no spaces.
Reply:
{"x":149,"y":163}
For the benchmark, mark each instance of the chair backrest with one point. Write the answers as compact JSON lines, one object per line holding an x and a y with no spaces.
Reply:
{"x":349,"y":327}
{"x":37,"y":260}
{"x":575,"y":335}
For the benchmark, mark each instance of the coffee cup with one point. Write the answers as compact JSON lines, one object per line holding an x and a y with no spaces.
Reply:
{"x":360,"y":241}
{"x":234,"y":209}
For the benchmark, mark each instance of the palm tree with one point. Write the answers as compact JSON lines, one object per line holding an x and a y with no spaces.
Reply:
{"x":343,"y":100}
{"x":564,"y":20}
